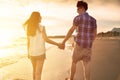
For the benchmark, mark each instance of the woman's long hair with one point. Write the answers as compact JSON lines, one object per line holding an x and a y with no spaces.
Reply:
{"x":33,"y":23}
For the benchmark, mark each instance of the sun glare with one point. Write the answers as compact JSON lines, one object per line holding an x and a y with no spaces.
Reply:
{"x":6,"y":10}
{"x":6,"y":37}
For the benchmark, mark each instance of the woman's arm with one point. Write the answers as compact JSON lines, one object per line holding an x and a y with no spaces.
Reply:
{"x":47,"y":39}
{"x":28,"y":45}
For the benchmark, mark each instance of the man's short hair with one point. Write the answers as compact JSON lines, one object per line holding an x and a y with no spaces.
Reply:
{"x":82,"y":4}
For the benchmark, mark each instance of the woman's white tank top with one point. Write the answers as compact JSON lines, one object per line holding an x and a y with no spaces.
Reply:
{"x":37,"y":43}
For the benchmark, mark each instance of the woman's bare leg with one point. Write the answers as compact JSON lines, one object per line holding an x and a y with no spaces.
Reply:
{"x":34,"y":68}
{"x":39,"y":67}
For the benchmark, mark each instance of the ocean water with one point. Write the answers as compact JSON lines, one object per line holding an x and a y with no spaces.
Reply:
{"x":12,"y":52}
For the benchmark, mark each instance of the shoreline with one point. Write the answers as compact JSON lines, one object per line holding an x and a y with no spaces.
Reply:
{"x":11,"y":60}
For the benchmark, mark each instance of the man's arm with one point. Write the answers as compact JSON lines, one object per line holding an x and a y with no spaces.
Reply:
{"x":95,"y":33}
{"x":69,"y":34}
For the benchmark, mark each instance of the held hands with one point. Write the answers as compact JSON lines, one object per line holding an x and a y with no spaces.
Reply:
{"x":61,"y":45}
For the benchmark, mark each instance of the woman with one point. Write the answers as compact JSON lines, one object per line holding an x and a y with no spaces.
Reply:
{"x":36,"y":36}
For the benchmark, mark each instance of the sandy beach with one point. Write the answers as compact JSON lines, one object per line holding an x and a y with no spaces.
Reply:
{"x":105,"y":64}
{"x":56,"y":65}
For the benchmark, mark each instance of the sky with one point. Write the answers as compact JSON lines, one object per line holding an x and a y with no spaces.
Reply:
{"x":57,"y":15}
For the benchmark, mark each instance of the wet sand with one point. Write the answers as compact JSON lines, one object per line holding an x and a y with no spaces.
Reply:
{"x":105,"y":64}
{"x":105,"y":61}
{"x":56,"y":66}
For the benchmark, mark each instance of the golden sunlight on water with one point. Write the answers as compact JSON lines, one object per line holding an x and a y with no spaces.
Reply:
{"x":4,"y":52}
{"x":5,"y":39}
{"x":7,"y":44}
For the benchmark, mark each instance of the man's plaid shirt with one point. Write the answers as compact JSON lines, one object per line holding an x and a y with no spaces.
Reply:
{"x":85,"y":30}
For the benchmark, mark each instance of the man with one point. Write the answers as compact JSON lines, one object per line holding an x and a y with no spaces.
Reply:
{"x":86,"y":29}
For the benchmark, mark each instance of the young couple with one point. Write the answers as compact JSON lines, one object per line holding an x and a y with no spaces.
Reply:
{"x":85,"y":27}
